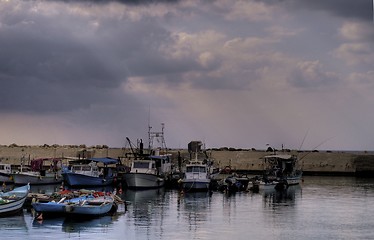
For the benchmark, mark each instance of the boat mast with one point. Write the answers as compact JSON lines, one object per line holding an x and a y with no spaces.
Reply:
{"x":158,"y":135}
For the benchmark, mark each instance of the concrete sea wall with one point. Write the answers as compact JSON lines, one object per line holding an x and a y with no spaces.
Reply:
{"x":317,"y":163}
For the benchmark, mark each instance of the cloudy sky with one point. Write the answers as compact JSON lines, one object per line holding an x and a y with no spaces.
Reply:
{"x":230,"y":73}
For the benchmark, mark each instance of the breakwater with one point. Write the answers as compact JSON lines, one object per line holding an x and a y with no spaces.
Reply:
{"x":312,"y":163}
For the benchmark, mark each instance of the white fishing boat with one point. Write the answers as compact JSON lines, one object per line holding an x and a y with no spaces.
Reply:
{"x":41,"y":171}
{"x":148,"y":173}
{"x":197,"y":175}
{"x":149,"y":170}
{"x":281,"y":171}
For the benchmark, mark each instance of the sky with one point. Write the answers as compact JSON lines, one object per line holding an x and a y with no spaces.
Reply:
{"x":239,"y":74}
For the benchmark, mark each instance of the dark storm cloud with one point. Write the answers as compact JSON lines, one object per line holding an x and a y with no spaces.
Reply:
{"x":359,"y":9}
{"x":50,"y":65}
{"x":44,"y":72}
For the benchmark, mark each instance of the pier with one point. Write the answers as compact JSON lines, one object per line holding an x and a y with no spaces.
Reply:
{"x":241,"y":160}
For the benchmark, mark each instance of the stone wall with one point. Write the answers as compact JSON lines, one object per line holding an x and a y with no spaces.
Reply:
{"x":245,"y":160}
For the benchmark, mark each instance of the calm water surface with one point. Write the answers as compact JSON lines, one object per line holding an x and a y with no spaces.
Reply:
{"x":321,"y":208}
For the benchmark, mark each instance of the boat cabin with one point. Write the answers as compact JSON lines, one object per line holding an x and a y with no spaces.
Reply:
{"x":5,"y":168}
{"x":153,"y":165}
{"x":280,"y":165}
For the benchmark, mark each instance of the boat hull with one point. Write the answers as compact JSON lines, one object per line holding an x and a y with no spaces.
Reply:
{"x":4,"y":177}
{"x":10,"y":207}
{"x":289,"y":181}
{"x":143,"y":181}
{"x":88,"y":206}
{"x":75,"y":179}
{"x":22,"y":179}
{"x":190,"y":185}
{"x":49,"y":207}
{"x":293,"y":180}
{"x":89,"y":210}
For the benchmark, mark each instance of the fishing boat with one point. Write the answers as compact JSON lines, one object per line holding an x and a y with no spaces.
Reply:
{"x":149,"y":172}
{"x":5,"y":171}
{"x":85,"y":205}
{"x":281,"y":171}
{"x":197,"y":175}
{"x":149,"y":169}
{"x":54,"y":208}
{"x":234,"y":183}
{"x":11,"y":202}
{"x":87,"y":172}
{"x":41,"y":171}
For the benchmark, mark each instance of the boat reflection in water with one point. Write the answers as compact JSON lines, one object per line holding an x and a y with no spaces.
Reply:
{"x":146,"y":208}
{"x":71,"y":225}
{"x":14,"y":222}
{"x":286,"y":197}
{"x":195,"y":208}
{"x":141,"y":196}
{"x":196,"y":200}
{"x":77,"y":225}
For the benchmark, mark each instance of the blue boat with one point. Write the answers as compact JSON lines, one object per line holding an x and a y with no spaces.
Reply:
{"x":85,"y":206}
{"x":87,"y":172}
{"x":55,"y":209}
{"x":91,"y":207}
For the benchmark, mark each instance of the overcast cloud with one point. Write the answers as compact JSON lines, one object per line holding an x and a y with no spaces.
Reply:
{"x":230,"y":73}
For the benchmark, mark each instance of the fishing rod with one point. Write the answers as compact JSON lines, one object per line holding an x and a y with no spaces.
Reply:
{"x":316,"y":147}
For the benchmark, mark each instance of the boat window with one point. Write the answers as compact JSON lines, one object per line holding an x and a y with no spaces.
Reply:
{"x":195,"y":169}
{"x":76,"y":168}
{"x":86,"y":168}
{"x":141,"y":164}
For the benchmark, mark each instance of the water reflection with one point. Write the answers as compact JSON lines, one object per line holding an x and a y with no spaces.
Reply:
{"x":86,"y":225}
{"x":146,"y":207}
{"x":142,"y":195}
{"x":195,"y":209}
{"x":285,"y":197}
{"x":75,"y":225}
{"x":16,"y":222}
{"x":196,"y":202}
{"x":48,"y":222}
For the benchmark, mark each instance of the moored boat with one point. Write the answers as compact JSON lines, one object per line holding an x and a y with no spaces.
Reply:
{"x":86,"y":172}
{"x":84,"y":205}
{"x":197,"y":175}
{"x":149,"y":172}
{"x":91,"y":207}
{"x":281,"y":171}
{"x":12,"y":202}
{"x":41,"y":171}
{"x":151,"y":169}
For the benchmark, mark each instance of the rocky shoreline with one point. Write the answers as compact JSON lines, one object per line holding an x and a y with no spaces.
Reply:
{"x":312,"y":163}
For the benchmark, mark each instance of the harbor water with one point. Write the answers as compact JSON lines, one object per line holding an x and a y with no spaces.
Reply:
{"x":320,"y":208}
